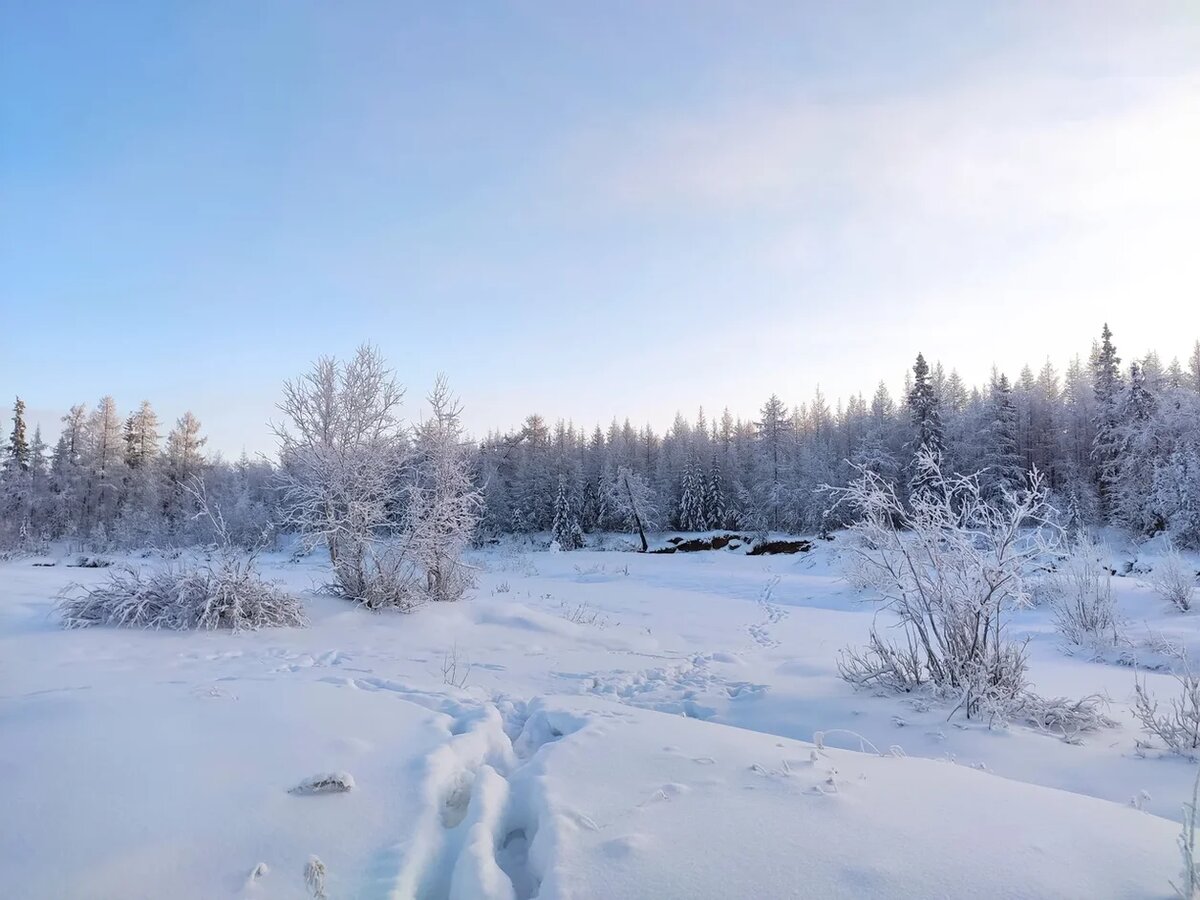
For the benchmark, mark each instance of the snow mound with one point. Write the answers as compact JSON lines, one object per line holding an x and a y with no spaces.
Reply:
{"x":329,"y":783}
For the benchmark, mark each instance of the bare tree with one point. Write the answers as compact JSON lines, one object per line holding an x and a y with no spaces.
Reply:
{"x":341,"y":453}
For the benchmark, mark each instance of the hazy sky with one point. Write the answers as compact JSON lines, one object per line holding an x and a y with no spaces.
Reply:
{"x":585,"y":210}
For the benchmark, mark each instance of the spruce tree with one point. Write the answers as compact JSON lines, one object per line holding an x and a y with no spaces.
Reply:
{"x":717,"y":511}
{"x":1002,"y":457}
{"x":565,"y":528}
{"x":692,"y":514}
{"x":1106,"y":385}
{"x":925,"y":412}
{"x":18,"y":444}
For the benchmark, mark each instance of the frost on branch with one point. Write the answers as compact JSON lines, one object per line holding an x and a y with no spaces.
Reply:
{"x":1173,"y":580}
{"x":443,"y":504}
{"x":951,"y":566}
{"x":1082,"y":599}
{"x":1176,"y":728}
{"x":228,"y":594}
{"x":341,"y":455}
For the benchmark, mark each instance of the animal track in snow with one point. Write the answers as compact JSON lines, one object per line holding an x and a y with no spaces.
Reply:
{"x":688,"y":688}
{"x":773,"y":614}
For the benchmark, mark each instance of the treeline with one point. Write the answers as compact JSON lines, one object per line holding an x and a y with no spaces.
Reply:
{"x":118,"y":481}
{"x":1119,"y":443}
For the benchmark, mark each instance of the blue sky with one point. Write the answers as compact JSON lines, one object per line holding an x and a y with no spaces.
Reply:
{"x":585,"y":210}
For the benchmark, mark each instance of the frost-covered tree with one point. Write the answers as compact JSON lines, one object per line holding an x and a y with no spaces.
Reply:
{"x":924,"y":409}
{"x":693,"y":508}
{"x":340,"y":450}
{"x":774,"y":431}
{"x":141,"y":436}
{"x":17,"y":457}
{"x":104,"y":470}
{"x":717,"y":506}
{"x":1107,"y":387}
{"x":443,"y":503}
{"x":1002,"y":458}
{"x":633,"y":504}
{"x":565,"y":530}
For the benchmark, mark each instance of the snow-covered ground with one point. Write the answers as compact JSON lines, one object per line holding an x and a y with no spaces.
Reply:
{"x":587,"y":725}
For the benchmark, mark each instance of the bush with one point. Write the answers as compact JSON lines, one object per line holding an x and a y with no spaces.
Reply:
{"x":1082,"y":600}
{"x":1173,"y":580}
{"x":951,"y":565}
{"x":1178,"y":728}
{"x":230,"y":594}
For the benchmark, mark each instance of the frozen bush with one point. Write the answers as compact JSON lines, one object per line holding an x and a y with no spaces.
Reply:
{"x":1189,"y":884}
{"x":229,"y":594}
{"x":1173,"y":580}
{"x":1082,"y":600}
{"x":951,"y":565}
{"x":1177,"y":728}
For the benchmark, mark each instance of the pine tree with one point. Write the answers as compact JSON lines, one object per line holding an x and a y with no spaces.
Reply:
{"x":565,"y":529}
{"x":773,"y":434}
{"x":717,"y":511}
{"x":1106,"y":383}
{"x":692,"y":507}
{"x":18,"y":446}
{"x":925,"y":412}
{"x":1002,"y":458}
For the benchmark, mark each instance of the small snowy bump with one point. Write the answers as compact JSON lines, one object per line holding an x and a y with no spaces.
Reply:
{"x":329,"y":783}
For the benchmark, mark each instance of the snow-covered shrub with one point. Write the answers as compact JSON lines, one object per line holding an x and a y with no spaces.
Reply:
{"x":1178,"y":727}
{"x":228,"y":594}
{"x":225,"y":592}
{"x":1189,"y":884}
{"x":951,"y":565}
{"x":1082,"y":599}
{"x":1173,"y":580}
{"x":1061,"y":715}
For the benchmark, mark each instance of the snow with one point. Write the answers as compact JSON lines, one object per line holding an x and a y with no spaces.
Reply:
{"x":658,"y":744}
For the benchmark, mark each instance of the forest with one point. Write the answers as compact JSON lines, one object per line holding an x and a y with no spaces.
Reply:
{"x":1117,"y":442}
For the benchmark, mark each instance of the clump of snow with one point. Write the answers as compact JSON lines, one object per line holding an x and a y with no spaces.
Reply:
{"x":328,"y":783}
